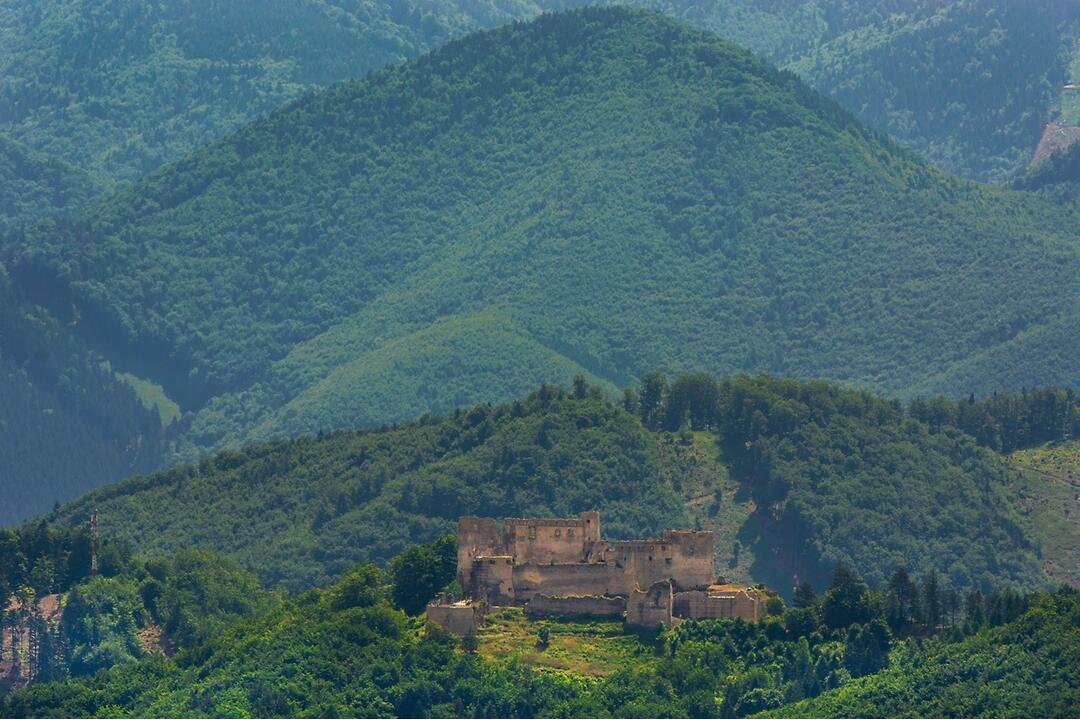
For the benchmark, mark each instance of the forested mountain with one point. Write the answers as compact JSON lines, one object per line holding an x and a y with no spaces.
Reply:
{"x":968,"y":83}
{"x":193,"y":634}
{"x":1057,"y":176}
{"x":34,"y":186}
{"x":224,"y":225}
{"x":92,"y":96}
{"x":60,"y":621}
{"x":95,"y":94}
{"x":605,"y":190}
{"x":833,"y":476}
{"x":67,"y":423}
{"x":351,"y":651}
{"x":1023,"y":668}
{"x":118,"y":88}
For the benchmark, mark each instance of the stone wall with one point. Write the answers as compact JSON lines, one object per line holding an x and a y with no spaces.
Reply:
{"x":566,"y":557}
{"x":650,"y":608}
{"x":719,"y":603}
{"x":459,"y":619}
{"x":476,"y":536}
{"x":577,"y":606}
{"x":545,"y":541}
{"x":581,"y":579}
{"x":493,"y":579}
{"x":686,"y":558}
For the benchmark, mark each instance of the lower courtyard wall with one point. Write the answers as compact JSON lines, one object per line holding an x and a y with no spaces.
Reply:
{"x":577,"y":606}
{"x":564,"y":580}
{"x":459,"y":619}
{"x":712,"y":604}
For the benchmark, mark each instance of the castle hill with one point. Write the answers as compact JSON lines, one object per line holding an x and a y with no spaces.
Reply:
{"x":563,"y":567}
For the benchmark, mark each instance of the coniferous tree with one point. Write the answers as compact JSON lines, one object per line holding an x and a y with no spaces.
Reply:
{"x":901,"y":599}
{"x":931,"y":595}
{"x":843,"y":603}
{"x":974,"y":612}
{"x":804,"y":595}
{"x":653,"y":395}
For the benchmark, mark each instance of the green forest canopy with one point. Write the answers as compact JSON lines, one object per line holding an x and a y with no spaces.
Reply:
{"x":838,"y":476}
{"x":67,"y":425}
{"x":1025,"y":668}
{"x":119,"y":89}
{"x":133,"y":86}
{"x":604,"y":186}
{"x":347,"y":651}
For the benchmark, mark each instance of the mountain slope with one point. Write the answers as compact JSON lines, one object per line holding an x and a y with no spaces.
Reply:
{"x":1024,"y":668}
{"x":970,"y":84}
{"x":68,"y":424}
{"x":1050,"y":498}
{"x":835,"y":476}
{"x":93,"y":96}
{"x":120,"y":88}
{"x":346,"y":651}
{"x":621,"y":189}
{"x":1057,"y":175}
{"x":33,"y":186}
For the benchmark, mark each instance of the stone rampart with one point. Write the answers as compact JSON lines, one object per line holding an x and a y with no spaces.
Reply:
{"x":686,"y":558}
{"x":460,"y":618}
{"x":476,"y":536}
{"x":719,"y":603}
{"x":580,"y":579}
{"x":577,"y":606}
{"x":546,"y":541}
{"x":650,"y":608}
{"x":493,"y":579}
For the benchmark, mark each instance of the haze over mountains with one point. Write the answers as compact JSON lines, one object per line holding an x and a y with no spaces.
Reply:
{"x":462,"y":227}
{"x":317,"y":278}
{"x":606,"y":196}
{"x":120,"y":88}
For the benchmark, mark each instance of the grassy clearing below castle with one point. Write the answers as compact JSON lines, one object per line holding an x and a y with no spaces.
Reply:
{"x":587,"y":647}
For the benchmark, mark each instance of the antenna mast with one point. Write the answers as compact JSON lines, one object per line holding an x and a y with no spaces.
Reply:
{"x":93,"y":543}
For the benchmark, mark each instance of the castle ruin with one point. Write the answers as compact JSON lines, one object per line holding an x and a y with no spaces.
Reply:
{"x":562,"y":566}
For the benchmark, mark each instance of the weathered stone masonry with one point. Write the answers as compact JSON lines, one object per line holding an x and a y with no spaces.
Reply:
{"x":562,"y":566}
